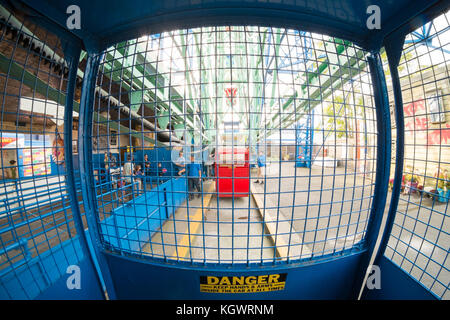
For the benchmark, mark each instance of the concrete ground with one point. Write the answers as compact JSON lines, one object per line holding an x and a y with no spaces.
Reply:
{"x":420,"y":241}
{"x":327,"y":208}
{"x":223,"y":231}
{"x":317,"y":211}
{"x":307,"y":211}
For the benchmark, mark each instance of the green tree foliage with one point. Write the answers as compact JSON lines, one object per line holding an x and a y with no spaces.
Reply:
{"x":340,"y":116}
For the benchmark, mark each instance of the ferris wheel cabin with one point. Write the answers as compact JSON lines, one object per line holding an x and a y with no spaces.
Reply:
{"x":270,"y":150}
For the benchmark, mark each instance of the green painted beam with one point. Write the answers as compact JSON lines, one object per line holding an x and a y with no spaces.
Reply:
{"x":83,"y":55}
{"x":314,"y":76}
{"x":332,"y":81}
{"x":114,"y":68}
{"x":305,"y":107}
{"x":336,"y":81}
{"x":121,"y":72}
{"x":141,"y":61}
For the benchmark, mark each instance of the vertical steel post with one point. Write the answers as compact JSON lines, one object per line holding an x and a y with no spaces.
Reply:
{"x":382,"y":170}
{"x":393,"y":51}
{"x":304,"y":147}
{"x":87,"y":179}
{"x":73,"y":55}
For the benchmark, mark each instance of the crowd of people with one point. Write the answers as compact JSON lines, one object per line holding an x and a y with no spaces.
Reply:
{"x":194,"y":170}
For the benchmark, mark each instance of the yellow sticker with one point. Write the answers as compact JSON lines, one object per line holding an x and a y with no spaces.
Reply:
{"x":243,"y":284}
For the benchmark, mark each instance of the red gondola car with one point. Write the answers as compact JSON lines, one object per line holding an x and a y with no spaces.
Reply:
{"x":232,"y":170}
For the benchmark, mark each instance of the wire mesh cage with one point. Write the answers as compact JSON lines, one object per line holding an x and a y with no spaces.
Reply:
{"x":280,"y":123}
{"x":223,"y":148}
{"x":419,"y":241}
{"x":38,"y":238}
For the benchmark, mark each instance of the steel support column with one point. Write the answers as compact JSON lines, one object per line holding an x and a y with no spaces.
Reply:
{"x":86,"y":170}
{"x":382,"y":170}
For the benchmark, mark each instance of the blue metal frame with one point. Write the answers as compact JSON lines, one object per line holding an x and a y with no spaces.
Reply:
{"x":87,"y":179}
{"x":393,"y":276}
{"x":304,"y":134}
{"x":74,"y":54}
{"x":128,"y":228}
{"x":383,"y":165}
{"x":383,"y":127}
{"x":328,"y":279}
{"x":140,"y":18}
{"x":43,"y":276}
{"x":393,"y":50}
{"x":424,"y":38}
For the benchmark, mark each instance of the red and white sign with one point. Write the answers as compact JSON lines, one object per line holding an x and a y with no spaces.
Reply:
{"x":11,"y":141}
{"x":231,"y":95}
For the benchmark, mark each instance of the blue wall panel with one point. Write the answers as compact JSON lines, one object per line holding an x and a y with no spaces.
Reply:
{"x":89,"y":289}
{"x":45,"y":277}
{"x":136,"y":279}
{"x":396,"y":284}
{"x":128,"y":227}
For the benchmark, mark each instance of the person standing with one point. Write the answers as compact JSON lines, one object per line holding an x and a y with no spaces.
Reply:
{"x":210,"y":165}
{"x":146,"y":165}
{"x":104,"y":177}
{"x":261,"y":161}
{"x":12,"y":172}
{"x":146,"y":172}
{"x":106,"y":161}
{"x":128,"y":171}
{"x":112,"y":160}
{"x":181,"y":163}
{"x":194,"y":174}
{"x":213,"y":159}
{"x":140,"y":176}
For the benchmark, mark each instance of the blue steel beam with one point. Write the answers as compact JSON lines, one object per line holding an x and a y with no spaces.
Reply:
{"x":393,"y":51}
{"x":86,"y":169}
{"x":383,"y":163}
{"x":74,"y":54}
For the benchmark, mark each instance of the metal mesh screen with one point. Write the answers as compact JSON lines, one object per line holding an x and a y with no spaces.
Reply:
{"x":37,"y":233}
{"x":277,"y":134}
{"x":419,"y":241}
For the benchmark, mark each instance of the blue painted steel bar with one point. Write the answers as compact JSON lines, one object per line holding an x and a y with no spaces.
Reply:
{"x":304,"y":147}
{"x":20,"y":244}
{"x":70,"y":182}
{"x":382,"y":167}
{"x":393,"y":51}
{"x":87,"y":179}
{"x":395,"y":272}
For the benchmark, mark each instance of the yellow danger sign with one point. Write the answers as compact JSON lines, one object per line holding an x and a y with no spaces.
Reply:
{"x":243,"y":284}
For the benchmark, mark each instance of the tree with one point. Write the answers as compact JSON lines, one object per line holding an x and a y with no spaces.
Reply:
{"x":340,"y":116}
